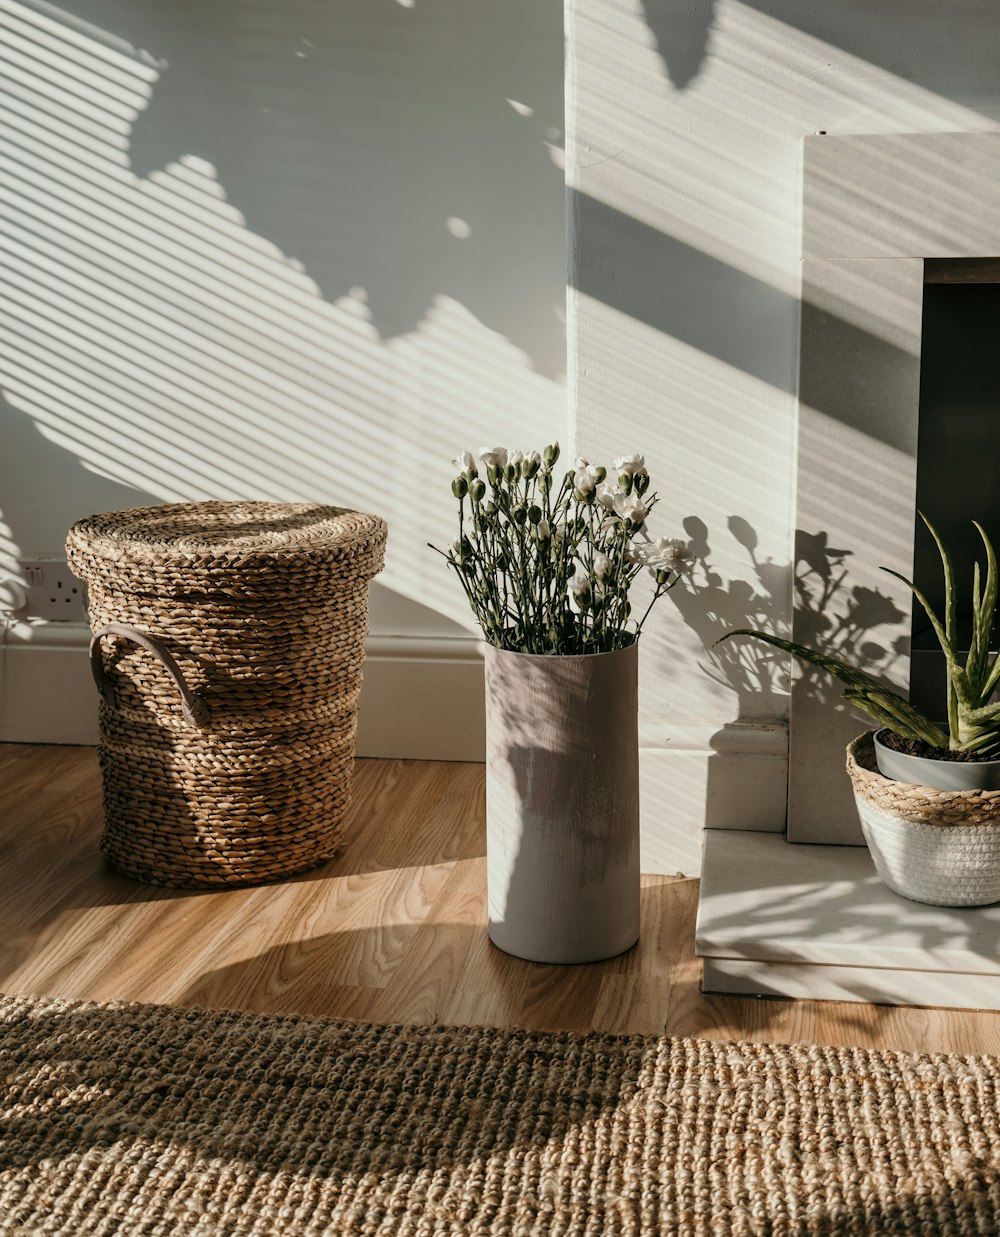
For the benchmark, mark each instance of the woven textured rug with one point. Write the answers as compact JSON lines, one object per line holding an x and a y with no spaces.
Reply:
{"x":130,"y":1119}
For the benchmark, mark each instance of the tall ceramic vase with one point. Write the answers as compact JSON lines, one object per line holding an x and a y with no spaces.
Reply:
{"x":562,"y":804}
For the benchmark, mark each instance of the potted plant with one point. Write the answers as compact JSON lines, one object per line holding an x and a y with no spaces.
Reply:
{"x":546,"y":560}
{"x":928,"y":793}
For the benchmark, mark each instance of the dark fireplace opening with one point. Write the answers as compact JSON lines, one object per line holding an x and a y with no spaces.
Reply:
{"x":958,"y":451}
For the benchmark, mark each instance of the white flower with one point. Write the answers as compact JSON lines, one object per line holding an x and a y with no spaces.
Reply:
{"x":603,"y":567}
{"x":634,"y":510}
{"x":583,"y":481}
{"x":533,"y":458}
{"x":675,"y":554}
{"x":587,"y":476}
{"x":495,"y":457}
{"x":607,"y":494}
{"x":465,"y":461}
{"x":515,"y":458}
{"x":666,"y":554}
{"x":631,"y":508}
{"x":631,"y":464}
{"x":543,"y":530}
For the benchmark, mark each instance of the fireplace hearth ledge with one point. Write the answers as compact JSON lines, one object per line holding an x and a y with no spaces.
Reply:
{"x":814,"y":921}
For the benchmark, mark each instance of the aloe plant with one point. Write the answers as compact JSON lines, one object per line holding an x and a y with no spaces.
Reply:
{"x":973,"y":723}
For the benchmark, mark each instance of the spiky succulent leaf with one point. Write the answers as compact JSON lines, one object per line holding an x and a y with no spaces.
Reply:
{"x":885,"y":706}
{"x":984,"y":615}
{"x":950,"y":619}
{"x":840,"y":670}
{"x":866,"y":702}
{"x":956,"y":671}
{"x":898,"y":714}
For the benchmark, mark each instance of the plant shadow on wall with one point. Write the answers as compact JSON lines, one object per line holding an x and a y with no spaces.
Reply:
{"x":407,"y":149}
{"x":845,"y":618}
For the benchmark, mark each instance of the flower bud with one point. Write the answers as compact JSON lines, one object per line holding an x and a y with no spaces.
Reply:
{"x":625,"y":483}
{"x":477,"y":490}
{"x":530,"y":465}
{"x":520,"y":513}
{"x":460,"y":487}
{"x":511,"y":471}
{"x":544,"y":530}
{"x":490,"y":510}
{"x":534,"y":513}
{"x":568,"y":479}
{"x":600,"y":472}
{"x":603,"y":566}
{"x":641,"y":480}
{"x":580,"y":591}
{"x":551,"y":454}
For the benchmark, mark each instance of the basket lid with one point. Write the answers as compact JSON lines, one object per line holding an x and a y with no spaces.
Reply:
{"x":218,"y":536}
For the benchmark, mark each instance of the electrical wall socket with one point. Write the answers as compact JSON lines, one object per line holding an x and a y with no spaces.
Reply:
{"x":53,"y":590}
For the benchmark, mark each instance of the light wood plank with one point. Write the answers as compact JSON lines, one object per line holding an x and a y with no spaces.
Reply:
{"x":393,"y":929}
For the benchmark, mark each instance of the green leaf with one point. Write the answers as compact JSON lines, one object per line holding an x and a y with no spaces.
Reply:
{"x":984,"y":614}
{"x":840,"y":670}
{"x":867,"y":703}
{"x":898,"y":714}
{"x":950,"y":621}
{"x":956,"y":671}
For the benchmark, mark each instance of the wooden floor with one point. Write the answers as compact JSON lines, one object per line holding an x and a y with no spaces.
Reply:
{"x":393,"y":930}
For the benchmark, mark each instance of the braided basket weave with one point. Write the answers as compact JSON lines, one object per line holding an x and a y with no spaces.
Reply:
{"x":940,"y":847}
{"x":228,"y":647}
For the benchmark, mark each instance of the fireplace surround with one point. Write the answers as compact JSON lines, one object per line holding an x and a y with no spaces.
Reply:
{"x":803,"y":913}
{"x":877,"y":212}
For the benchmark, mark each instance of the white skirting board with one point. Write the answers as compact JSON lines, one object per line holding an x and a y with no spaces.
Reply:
{"x":422,"y":697}
{"x":47,"y":694}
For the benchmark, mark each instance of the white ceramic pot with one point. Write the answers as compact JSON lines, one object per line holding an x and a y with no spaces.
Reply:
{"x":941,"y":774}
{"x":562,"y":804}
{"x":940,"y":847}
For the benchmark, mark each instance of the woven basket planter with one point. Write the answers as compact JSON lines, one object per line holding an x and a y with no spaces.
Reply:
{"x":228,"y":648}
{"x":940,"y":847}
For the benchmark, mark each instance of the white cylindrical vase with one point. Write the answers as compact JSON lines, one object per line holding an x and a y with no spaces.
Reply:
{"x":562,"y":804}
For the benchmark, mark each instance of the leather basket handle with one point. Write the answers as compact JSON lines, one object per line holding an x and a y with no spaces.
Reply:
{"x":193,"y":707}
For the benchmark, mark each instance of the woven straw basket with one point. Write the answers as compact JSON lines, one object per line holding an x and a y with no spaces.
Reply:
{"x":941,"y":847}
{"x":228,"y":648}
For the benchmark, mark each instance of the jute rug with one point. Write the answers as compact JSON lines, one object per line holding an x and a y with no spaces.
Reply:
{"x":129,"y":1119}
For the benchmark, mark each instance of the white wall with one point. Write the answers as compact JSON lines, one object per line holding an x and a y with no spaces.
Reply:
{"x":286,"y":251}
{"x":685,"y":127}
